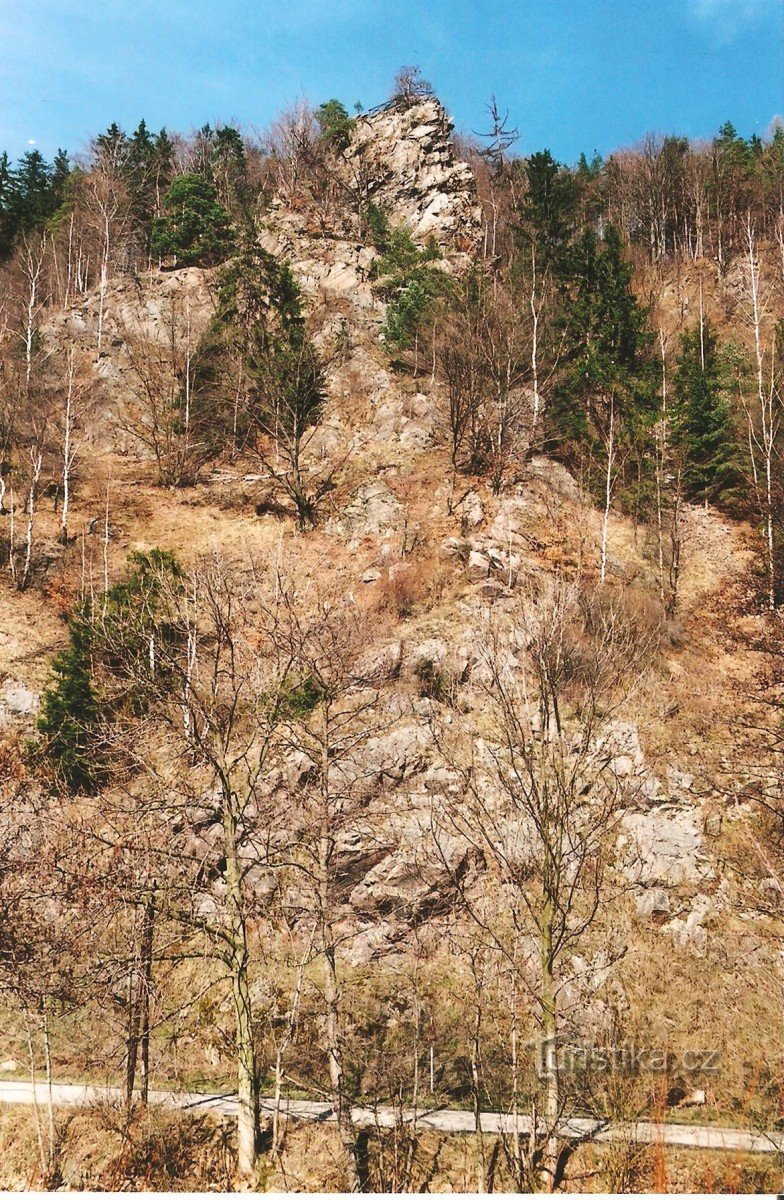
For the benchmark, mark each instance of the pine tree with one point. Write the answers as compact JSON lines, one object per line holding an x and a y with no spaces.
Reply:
{"x":702,"y":425}
{"x":195,"y":229}
{"x":335,"y":124}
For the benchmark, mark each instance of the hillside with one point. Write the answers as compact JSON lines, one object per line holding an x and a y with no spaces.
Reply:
{"x":395,"y":722}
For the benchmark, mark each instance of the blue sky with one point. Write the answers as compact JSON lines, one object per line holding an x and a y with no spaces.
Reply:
{"x":574,"y":74}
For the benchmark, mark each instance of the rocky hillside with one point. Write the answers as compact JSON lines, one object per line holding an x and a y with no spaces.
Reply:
{"x":434,"y":560}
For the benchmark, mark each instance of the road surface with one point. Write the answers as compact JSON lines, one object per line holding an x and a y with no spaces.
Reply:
{"x":699,"y":1137}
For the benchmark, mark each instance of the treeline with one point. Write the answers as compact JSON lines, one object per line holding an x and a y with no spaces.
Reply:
{"x":546,"y":344}
{"x":552,"y":343}
{"x":668,"y":196}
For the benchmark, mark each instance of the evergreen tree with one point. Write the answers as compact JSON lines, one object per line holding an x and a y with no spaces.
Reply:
{"x":31,"y":191}
{"x":107,"y":669}
{"x":607,"y":387}
{"x":335,"y":124}
{"x":61,"y":173}
{"x":195,"y":229}
{"x":70,"y":711}
{"x":138,"y":170}
{"x":702,"y":425}
{"x":228,"y":169}
{"x":549,"y":208}
{"x":112,"y":147}
{"x":7,"y":218}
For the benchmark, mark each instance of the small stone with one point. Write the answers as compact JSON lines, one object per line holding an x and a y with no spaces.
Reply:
{"x":492,"y":590}
{"x":454,"y":547}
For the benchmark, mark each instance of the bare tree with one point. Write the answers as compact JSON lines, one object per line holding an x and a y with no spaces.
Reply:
{"x":764,"y":418}
{"x":539,"y":798}
{"x":410,"y":87}
{"x":165,"y":415}
{"x":332,"y":716}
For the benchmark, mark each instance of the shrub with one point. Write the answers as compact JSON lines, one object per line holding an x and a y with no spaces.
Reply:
{"x":375,"y":226}
{"x":407,"y":280}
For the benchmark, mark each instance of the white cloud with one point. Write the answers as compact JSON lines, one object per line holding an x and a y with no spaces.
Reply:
{"x":727,"y":17}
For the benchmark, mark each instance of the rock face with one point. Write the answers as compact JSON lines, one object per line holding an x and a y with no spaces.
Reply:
{"x":18,"y":704}
{"x":146,"y":307}
{"x":405,"y":162}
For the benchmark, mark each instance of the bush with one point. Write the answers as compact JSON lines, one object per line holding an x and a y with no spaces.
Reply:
{"x":407,"y":279}
{"x":375,"y":226}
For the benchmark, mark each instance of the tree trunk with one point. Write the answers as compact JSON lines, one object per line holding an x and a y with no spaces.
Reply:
{"x":247,"y":1077}
{"x":331,"y":984}
{"x":146,"y":990}
{"x":549,"y":1036}
{"x":608,"y":489}
{"x":331,"y":1001}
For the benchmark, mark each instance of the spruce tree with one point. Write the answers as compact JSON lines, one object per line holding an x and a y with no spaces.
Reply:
{"x":606,"y":349}
{"x":70,"y":711}
{"x":548,"y":210}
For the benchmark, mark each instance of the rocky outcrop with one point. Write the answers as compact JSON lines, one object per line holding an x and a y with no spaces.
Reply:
{"x":18,"y":704}
{"x":404,"y":161}
{"x":134,"y":307}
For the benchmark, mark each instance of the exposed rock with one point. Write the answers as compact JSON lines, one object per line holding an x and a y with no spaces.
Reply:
{"x":408,"y":165}
{"x":374,"y":510}
{"x":689,"y":930}
{"x":665,"y":848}
{"x":655,"y":902}
{"x":334,"y":267}
{"x":478,"y":566}
{"x":18,"y":699}
{"x":395,"y":756}
{"x":434,"y":650}
{"x":493,"y":590}
{"x":454,"y":547}
{"x":380,"y":663}
{"x":470,"y":510}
